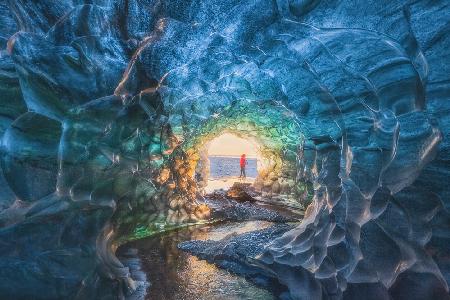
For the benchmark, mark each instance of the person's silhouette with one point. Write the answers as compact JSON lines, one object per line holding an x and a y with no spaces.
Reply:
{"x":242,"y":163}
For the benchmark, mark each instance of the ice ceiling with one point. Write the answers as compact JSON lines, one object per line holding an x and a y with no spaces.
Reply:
{"x":103,"y":105}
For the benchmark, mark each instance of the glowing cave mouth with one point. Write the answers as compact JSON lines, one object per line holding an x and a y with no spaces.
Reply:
{"x":228,"y":144}
{"x":267,"y":132}
{"x":219,"y":164}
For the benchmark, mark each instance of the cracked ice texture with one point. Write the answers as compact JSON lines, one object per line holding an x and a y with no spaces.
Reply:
{"x":92,"y":92}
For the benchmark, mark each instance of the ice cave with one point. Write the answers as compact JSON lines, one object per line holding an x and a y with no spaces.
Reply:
{"x":109,"y":108}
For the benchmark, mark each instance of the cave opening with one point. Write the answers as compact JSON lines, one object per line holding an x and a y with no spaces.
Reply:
{"x":199,"y":176}
{"x":271,"y":137}
{"x":173,"y":197}
{"x":219,"y":165}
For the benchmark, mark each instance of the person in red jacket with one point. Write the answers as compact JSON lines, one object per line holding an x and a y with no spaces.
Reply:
{"x":242,"y":163}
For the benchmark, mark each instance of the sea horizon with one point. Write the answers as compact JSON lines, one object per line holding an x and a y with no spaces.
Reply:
{"x":234,"y":156}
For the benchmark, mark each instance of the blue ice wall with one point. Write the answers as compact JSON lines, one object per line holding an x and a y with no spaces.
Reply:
{"x":91,"y":93}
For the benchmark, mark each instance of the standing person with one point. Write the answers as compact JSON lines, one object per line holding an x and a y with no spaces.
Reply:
{"x":242,"y":163}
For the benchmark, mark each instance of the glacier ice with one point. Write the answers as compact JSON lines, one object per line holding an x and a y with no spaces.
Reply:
{"x":104,"y":105}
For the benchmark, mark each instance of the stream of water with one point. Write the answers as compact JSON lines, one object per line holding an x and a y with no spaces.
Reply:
{"x":176,"y":275}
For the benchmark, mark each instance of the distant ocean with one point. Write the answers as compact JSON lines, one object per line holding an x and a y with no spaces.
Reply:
{"x":227,"y":166}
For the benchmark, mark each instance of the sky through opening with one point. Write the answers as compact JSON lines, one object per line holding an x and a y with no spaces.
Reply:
{"x":228,"y":144}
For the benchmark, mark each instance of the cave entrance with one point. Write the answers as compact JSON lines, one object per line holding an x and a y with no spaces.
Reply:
{"x":221,"y":161}
{"x":269,"y":127}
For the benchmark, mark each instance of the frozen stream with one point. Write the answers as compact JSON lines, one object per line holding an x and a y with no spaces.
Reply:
{"x":175,"y":274}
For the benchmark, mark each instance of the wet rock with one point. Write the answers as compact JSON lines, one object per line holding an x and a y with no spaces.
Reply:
{"x":224,"y":208}
{"x":237,"y":252}
{"x":241,"y":192}
{"x":140,"y":283}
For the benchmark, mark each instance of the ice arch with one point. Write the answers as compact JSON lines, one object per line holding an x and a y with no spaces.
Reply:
{"x":222,"y":148}
{"x":268,"y":123}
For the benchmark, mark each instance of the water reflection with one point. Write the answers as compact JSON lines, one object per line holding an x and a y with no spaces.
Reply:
{"x":177,"y":275}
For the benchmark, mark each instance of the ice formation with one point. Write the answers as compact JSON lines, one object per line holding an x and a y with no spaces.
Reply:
{"x":104,"y":105}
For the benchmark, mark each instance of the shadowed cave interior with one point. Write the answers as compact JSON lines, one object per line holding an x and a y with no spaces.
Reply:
{"x":107,"y":110}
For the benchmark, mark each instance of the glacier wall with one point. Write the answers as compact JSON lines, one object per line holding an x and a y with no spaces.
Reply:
{"x":101,"y":102}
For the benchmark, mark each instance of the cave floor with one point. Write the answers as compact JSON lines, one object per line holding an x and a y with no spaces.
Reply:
{"x":268,"y":209}
{"x":175,"y":274}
